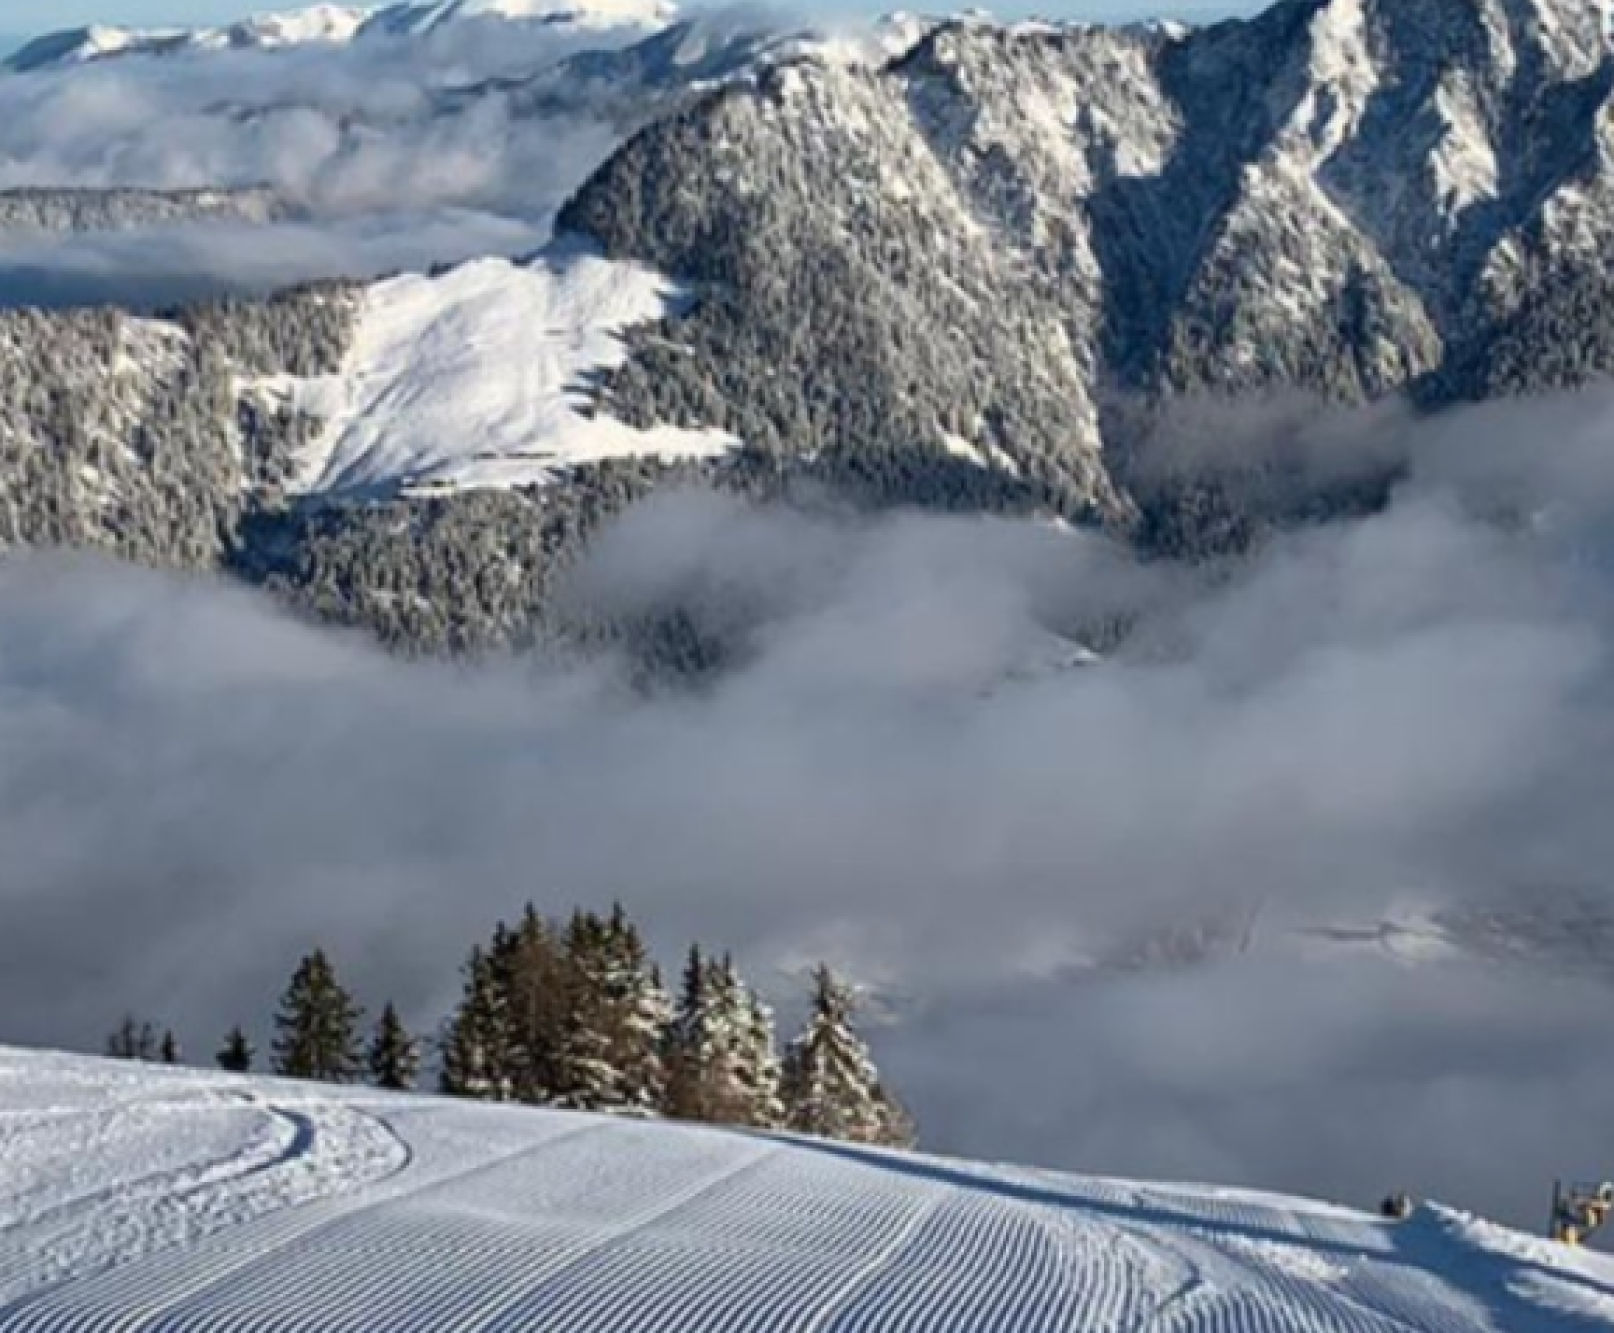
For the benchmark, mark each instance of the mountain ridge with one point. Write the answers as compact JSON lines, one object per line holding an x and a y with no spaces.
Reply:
{"x":1186,"y":207}
{"x":979,"y":275}
{"x":321,"y":25}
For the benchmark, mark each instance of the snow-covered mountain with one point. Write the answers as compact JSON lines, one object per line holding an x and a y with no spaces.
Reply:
{"x":134,"y":1196}
{"x":971,"y":275}
{"x":414,"y":19}
{"x":1001,"y":234}
{"x":80,"y":46}
{"x":325,"y":24}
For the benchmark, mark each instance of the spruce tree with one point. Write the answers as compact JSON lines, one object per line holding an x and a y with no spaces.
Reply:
{"x":584,"y":1077}
{"x":640,"y":1010}
{"x":236,"y":1055}
{"x":317,"y":1027}
{"x":169,"y":1051}
{"x":831,"y":1087}
{"x":394,"y":1055}
{"x":476,"y":1047}
{"x":721,"y":1065}
{"x":615,"y":1013}
{"x":758,"y":1065}
{"x":687,"y":1050}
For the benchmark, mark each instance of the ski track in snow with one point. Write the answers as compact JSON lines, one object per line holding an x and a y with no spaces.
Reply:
{"x":137,"y":1200}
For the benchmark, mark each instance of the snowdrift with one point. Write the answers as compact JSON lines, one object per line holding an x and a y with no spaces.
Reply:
{"x":134,"y":1198}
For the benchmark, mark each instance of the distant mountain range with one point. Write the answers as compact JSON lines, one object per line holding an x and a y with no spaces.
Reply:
{"x":322,"y":24}
{"x":966,"y":271}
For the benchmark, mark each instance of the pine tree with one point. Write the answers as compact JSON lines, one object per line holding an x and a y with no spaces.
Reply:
{"x":584,"y":1077}
{"x":653,"y":1015}
{"x":640,"y":1010}
{"x":236,"y":1055}
{"x":831,"y":1087}
{"x":169,"y":1051}
{"x":394,"y":1055}
{"x":687,"y":1051}
{"x":721,"y":1064}
{"x":476,"y":1047}
{"x":615,"y":1013}
{"x":133,"y":1039}
{"x":317,"y":1028}
{"x":758,"y":1065}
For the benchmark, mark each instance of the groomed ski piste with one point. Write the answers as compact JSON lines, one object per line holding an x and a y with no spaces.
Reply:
{"x":136,"y":1199}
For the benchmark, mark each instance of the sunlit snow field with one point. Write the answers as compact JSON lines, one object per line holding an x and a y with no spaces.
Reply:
{"x":133,"y":1198}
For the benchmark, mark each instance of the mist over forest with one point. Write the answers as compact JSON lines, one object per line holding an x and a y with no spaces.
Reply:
{"x":1084,"y":896}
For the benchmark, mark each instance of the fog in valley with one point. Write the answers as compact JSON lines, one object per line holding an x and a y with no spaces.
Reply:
{"x":1109,"y":843}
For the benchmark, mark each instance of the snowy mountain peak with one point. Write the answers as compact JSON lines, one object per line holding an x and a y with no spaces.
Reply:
{"x":318,"y":23}
{"x":269,"y":31}
{"x":329,"y":24}
{"x":429,"y":17}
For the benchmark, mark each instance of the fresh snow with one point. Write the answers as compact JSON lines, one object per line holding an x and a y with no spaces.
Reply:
{"x":987,"y":457}
{"x":138,"y":1198}
{"x":479,"y":377}
{"x":329,"y":25}
{"x":583,"y":13}
{"x":319,"y":23}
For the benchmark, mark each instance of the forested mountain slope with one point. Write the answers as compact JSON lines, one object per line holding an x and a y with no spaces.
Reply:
{"x":970,"y":277}
{"x":1000,"y":234}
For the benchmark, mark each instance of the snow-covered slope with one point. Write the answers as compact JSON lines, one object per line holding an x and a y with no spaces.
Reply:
{"x":136,"y":1198}
{"x":477,"y":377}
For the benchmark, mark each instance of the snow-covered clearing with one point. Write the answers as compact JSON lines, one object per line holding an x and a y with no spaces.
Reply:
{"x":151,"y":1201}
{"x":477,"y":377}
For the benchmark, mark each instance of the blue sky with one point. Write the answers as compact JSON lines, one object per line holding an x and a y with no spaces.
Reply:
{"x":19,"y":17}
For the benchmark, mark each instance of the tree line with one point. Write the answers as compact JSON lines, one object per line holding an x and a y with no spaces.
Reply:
{"x":576,"y":1015}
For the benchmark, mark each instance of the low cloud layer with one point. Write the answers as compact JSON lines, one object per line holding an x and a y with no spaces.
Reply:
{"x":159,"y":267}
{"x":905,"y":771}
{"x":341,"y":129}
{"x":391,"y":152}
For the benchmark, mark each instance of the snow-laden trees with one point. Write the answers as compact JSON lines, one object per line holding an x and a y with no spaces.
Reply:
{"x":723,"y":1066}
{"x":571,"y":1016}
{"x":615,"y":1013}
{"x":575,"y":1015}
{"x":831,"y":1087}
